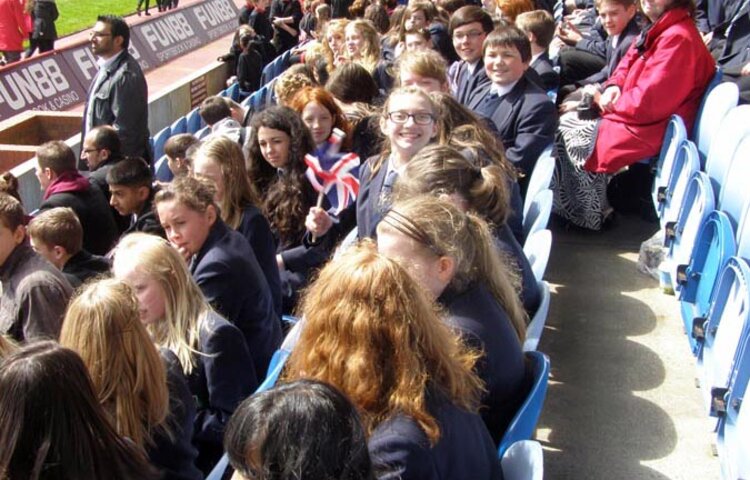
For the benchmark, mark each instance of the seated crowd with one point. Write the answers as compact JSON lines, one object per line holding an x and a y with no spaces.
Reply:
{"x":138,"y":317}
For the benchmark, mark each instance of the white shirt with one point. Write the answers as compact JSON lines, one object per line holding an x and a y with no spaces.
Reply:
{"x":502,"y":90}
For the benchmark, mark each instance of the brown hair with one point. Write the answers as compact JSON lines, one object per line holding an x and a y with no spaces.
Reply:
{"x":177,"y":145}
{"x":12,"y":215}
{"x":509,"y":36}
{"x":540,"y":23}
{"x":325,"y":99}
{"x":194,"y":193}
{"x":470,"y":14}
{"x":371,"y":332}
{"x":512,"y":8}
{"x":57,"y":156}
{"x":425,"y":63}
{"x":58,"y":227}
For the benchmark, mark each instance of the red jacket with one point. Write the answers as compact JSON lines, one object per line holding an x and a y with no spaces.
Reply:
{"x":13,"y":28}
{"x":668,"y":74}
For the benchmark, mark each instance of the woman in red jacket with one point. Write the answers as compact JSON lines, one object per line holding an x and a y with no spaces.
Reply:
{"x":665,"y":71}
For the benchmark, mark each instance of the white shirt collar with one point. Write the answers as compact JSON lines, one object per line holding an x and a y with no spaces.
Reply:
{"x":534,"y":57}
{"x":105,"y":63}
{"x":472,"y":67}
{"x":502,"y":90}
{"x":615,"y":41}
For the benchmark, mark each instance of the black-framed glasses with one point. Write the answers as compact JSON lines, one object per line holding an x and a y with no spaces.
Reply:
{"x":420,"y":118}
{"x":89,"y":150}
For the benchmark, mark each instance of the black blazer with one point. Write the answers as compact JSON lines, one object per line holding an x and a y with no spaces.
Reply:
{"x":223,"y":376}
{"x":468,"y":88}
{"x":484,"y":325}
{"x":82,"y":266}
{"x":227,"y":272}
{"x":543,"y":73}
{"x":614,"y":55}
{"x":401,"y":450}
{"x":146,"y":221}
{"x":256,"y":230}
{"x":527,"y":121}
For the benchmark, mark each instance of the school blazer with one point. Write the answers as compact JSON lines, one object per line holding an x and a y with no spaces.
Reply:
{"x":466,"y":87}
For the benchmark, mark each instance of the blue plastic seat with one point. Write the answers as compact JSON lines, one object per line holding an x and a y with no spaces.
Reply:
{"x":537,"y":248}
{"x":523,"y":425}
{"x":734,"y":127}
{"x":726,"y":324}
{"x":159,"y":140}
{"x":179,"y":126}
{"x":680,"y":237}
{"x":162,"y":173}
{"x":233,"y":91}
{"x":194,"y":121}
{"x":685,"y":164}
{"x":535,"y":327}
{"x":524,"y":460}
{"x":733,"y":442}
{"x":541,"y":177}
{"x":540,"y":209}
{"x":735,"y":193}
{"x":673,"y":138}
{"x":718,"y":99}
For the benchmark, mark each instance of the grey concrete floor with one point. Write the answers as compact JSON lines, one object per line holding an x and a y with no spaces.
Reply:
{"x":622,"y":401}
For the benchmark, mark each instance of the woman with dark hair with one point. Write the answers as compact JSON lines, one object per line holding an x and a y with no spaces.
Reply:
{"x":302,"y":429}
{"x":648,"y":86}
{"x":51,"y":423}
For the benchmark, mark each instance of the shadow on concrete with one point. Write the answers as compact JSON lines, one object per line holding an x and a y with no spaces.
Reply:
{"x":595,"y":426}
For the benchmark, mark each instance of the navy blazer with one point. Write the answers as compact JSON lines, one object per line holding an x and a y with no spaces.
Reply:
{"x":172,"y":451}
{"x":506,"y":242}
{"x":401,"y":450}
{"x":83,"y":266}
{"x":464,"y":86}
{"x":614,"y":55}
{"x":525,"y":118}
{"x":543,"y":73}
{"x":255,"y":228}
{"x":223,"y":376}
{"x":485,"y":326}
{"x":227,"y":272}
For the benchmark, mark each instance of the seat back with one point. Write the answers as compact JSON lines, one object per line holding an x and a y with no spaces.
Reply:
{"x":673,"y":138}
{"x":233,"y":91}
{"x":717,"y":101}
{"x":735,"y":192}
{"x":194,"y":121}
{"x":725,"y":326}
{"x":275,"y":366}
{"x":524,"y":460}
{"x":159,"y":140}
{"x":734,"y":427}
{"x":162,"y":173}
{"x":535,"y":328}
{"x":539,"y":212}
{"x":541,"y":176}
{"x":179,"y":126}
{"x":686,"y":163}
{"x":734,"y":127}
{"x":713,"y":246}
{"x":696,"y":205}
{"x":523,"y":425}
{"x":537,"y":248}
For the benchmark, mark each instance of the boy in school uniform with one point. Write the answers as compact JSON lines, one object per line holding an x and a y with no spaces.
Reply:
{"x":539,"y":26}
{"x":131,"y":184}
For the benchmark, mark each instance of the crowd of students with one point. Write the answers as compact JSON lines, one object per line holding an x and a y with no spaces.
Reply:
{"x":413,"y":296}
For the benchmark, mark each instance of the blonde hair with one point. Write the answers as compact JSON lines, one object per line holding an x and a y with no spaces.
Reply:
{"x":185,"y":307}
{"x":372,"y":332}
{"x":336,"y":26}
{"x":442,"y":229}
{"x":287,"y":86}
{"x":102,"y":325}
{"x":370,"y":52}
{"x":425,"y":63}
{"x":238,"y":191}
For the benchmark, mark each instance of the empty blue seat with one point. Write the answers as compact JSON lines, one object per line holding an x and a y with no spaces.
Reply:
{"x":179,"y":126}
{"x":673,"y":138}
{"x":723,"y":329}
{"x":536,"y":326}
{"x":159,"y":140}
{"x":714,"y":245}
{"x":194,"y":121}
{"x":733,"y":440}
{"x":735,"y":193}
{"x":734,"y":127}
{"x":540,"y":178}
{"x":717,"y":101}
{"x":524,"y":460}
{"x":523,"y":425}
{"x":685,"y":164}
{"x":537,"y":248}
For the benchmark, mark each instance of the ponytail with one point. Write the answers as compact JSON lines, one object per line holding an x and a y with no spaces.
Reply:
{"x":490,"y":195}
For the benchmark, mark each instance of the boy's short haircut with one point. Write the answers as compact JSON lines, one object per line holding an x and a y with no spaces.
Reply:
{"x":425,"y":63}
{"x":623,"y":3}
{"x":177,"y":145}
{"x":58,"y":227}
{"x":470,"y":14}
{"x":106,"y":137}
{"x":131,"y":172}
{"x":57,"y":156}
{"x":11,"y":212}
{"x":540,"y":23}
{"x":213,"y":109}
{"x":509,"y":36}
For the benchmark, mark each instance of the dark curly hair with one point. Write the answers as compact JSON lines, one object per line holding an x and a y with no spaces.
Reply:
{"x":288,"y":196}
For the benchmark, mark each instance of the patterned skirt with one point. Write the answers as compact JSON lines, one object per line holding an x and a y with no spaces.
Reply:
{"x":580,"y":196}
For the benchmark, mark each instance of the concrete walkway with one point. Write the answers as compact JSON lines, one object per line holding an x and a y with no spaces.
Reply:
{"x":622,"y":401}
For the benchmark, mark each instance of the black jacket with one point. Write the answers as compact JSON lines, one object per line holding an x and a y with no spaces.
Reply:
{"x":83,"y":266}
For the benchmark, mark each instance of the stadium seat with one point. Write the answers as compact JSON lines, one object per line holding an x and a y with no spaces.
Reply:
{"x":179,"y":126}
{"x":714,"y":245}
{"x":680,"y":236}
{"x":194,"y":121}
{"x":159,"y":140}
{"x":673,"y":138}
{"x":233,"y":91}
{"x":162,"y":173}
{"x":523,"y":425}
{"x":536,"y":326}
{"x":722,"y":331}
{"x":734,"y":127}
{"x":221,"y":467}
{"x":733,"y":442}
{"x":735,"y":193}
{"x":524,"y":460}
{"x":540,"y":178}
{"x":278,"y":360}
{"x":537,"y":248}
{"x":539,"y":212}
{"x":718,"y":100}
{"x":686,"y":163}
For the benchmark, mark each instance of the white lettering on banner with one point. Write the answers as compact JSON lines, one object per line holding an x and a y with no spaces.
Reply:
{"x":86,"y":63}
{"x":167,"y":31}
{"x":178,"y":49}
{"x":35,"y":82}
{"x":213,"y":13}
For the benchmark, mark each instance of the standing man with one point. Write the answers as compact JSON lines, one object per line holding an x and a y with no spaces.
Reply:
{"x":118,"y":95}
